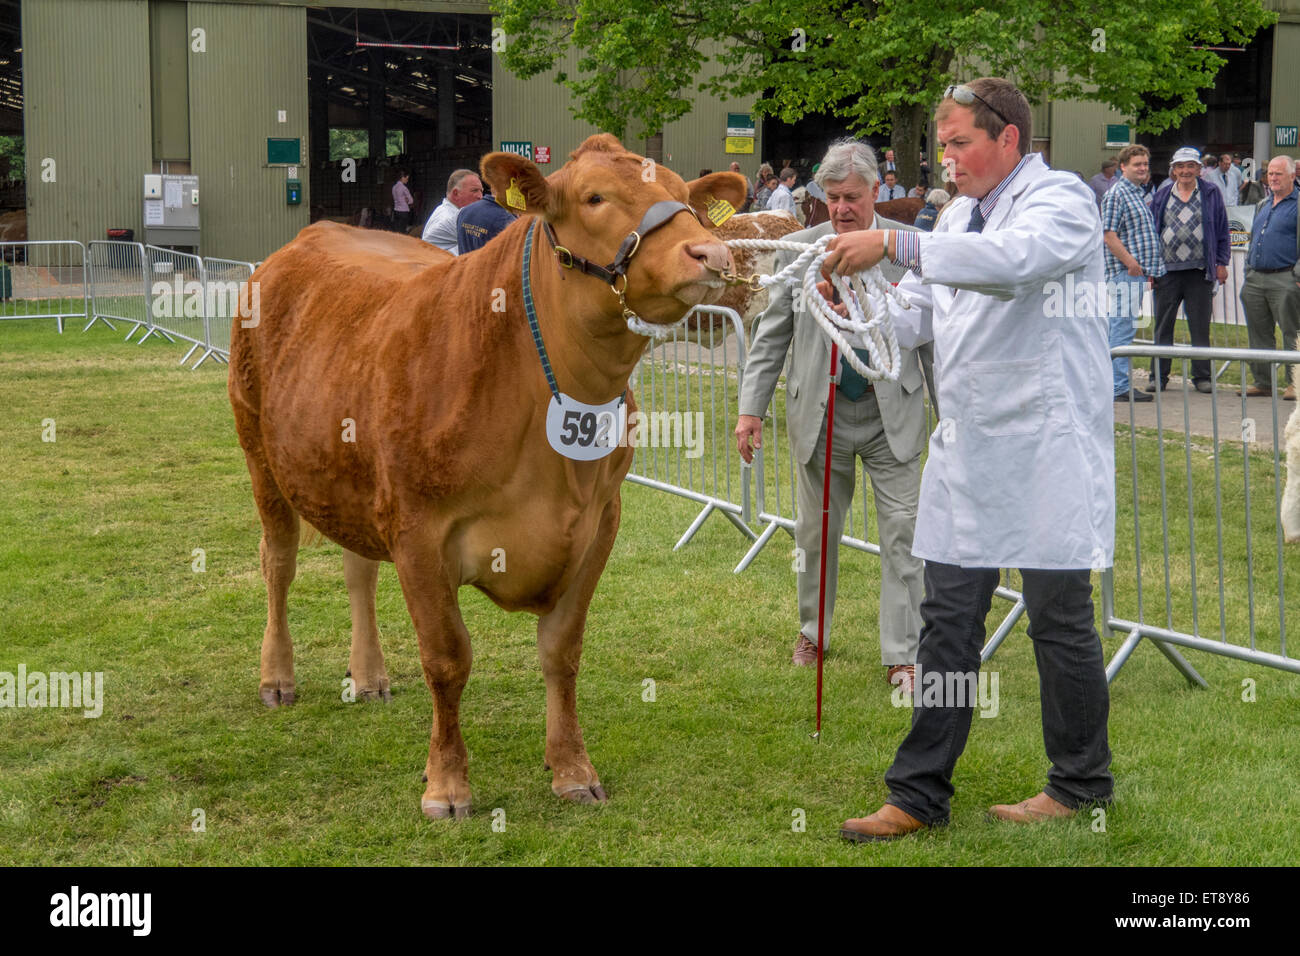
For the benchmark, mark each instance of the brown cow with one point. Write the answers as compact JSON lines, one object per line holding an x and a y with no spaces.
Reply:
{"x":392,"y":396}
{"x":900,"y":210}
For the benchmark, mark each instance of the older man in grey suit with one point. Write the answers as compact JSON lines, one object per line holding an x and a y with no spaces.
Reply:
{"x":882,"y":422}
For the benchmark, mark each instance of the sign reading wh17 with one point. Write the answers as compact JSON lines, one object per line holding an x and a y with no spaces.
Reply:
{"x":521,"y":149}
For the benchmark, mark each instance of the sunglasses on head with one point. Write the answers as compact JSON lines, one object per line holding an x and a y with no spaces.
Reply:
{"x":965,"y":96}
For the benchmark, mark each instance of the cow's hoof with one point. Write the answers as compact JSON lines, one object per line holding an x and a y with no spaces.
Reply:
{"x":442,"y":810}
{"x":277,"y":696}
{"x":382,"y":692}
{"x":593,"y":794}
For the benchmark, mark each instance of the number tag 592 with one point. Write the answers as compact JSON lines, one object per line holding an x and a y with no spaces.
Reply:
{"x":584,"y":432}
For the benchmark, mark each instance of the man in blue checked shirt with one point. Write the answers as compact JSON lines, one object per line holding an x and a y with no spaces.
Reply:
{"x":1132,"y":257}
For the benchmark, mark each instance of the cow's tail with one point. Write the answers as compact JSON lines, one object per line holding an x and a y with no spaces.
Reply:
{"x":310,"y":536}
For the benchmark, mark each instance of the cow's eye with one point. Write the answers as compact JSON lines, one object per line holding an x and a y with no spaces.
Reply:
{"x":595,"y":199}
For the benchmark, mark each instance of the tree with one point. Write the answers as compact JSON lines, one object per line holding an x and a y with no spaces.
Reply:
{"x":881,"y":65}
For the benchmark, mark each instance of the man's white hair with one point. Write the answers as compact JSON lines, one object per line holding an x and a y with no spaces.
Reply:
{"x":1290,"y":164}
{"x":937,"y":197}
{"x":844,"y":158}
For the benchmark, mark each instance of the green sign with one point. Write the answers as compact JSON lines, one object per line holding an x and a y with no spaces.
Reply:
{"x":1284,"y":136}
{"x":1116,"y":135}
{"x":519,"y":148}
{"x":740,"y":124}
{"x":283,"y":152}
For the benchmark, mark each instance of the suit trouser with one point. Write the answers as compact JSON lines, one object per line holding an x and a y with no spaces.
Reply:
{"x":1194,"y":292}
{"x":1271,"y":298}
{"x":1071,"y":682}
{"x":896,"y":486}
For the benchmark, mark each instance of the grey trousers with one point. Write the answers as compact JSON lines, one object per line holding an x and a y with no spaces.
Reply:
{"x":1271,"y":300}
{"x":896,"y":486}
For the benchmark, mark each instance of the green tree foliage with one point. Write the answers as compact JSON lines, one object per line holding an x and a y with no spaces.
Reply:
{"x":882,"y":66}
{"x":11,"y":149}
{"x":355,"y":143}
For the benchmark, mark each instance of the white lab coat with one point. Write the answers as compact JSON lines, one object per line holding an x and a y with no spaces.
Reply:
{"x":1021,"y":471}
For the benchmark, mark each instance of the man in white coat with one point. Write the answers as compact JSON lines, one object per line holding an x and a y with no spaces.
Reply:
{"x":1021,"y":469}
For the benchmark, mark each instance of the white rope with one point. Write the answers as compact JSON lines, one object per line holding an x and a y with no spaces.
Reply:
{"x":869,"y":288}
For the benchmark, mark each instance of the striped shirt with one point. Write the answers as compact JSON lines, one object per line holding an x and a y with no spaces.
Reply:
{"x":1124,"y":212}
{"x":907,"y":245}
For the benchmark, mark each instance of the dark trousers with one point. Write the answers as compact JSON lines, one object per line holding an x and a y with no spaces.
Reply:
{"x":1190,"y":289}
{"x":401,"y":221}
{"x":1071,"y":683}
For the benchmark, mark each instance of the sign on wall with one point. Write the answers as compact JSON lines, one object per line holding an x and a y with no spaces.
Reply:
{"x":1284,"y":135}
{"x":740,"y":133}
{"x":518,"y":148}
{"x":1117,"y":135}
{"x":541,"y":154}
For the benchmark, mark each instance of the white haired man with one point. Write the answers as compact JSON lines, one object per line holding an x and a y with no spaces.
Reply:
{"x":881,"y":422}
{"x":463,"y":188}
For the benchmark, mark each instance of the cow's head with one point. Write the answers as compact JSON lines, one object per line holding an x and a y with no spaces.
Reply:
{"x":599,"y":198}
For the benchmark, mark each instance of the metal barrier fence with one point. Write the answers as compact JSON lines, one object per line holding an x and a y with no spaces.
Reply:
{"x":687,"y":388}
{"x":227,"y":294}
{"x":178,"y":299}
{"x":43,"y":280}
{"x":116,"y":273}
{"x":1223,"y":475}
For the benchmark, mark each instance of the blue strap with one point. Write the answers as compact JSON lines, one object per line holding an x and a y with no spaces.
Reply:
{"x":531,"y":310}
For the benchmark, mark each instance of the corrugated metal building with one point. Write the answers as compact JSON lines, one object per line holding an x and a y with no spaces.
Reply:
{"x":117,"y":88}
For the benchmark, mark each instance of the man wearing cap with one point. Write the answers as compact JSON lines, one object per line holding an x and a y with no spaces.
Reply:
{"x":1270,"y":294}
{"x":1192,"y":224}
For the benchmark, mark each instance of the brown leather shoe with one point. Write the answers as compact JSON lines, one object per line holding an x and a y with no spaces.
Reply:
{"x":1255,"y":392}
{"x":1033,"y":810}
{"x":902,"y":675}
{"x":805,"y":653}
{"x":887,"y":823}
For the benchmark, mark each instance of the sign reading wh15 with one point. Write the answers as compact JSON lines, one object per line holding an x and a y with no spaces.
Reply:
{"x":522,"y":149}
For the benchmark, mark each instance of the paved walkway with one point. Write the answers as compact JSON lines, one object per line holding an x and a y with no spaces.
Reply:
{"x":1233,"y":417}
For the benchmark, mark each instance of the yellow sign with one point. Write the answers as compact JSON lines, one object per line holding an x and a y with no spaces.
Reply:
{"x":740,"y":144}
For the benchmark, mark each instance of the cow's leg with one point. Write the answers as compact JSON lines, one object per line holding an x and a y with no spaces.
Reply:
{"x":559,"y":643}
{"x":445,"y":658}
{"x":279,"y":557}
{"x":366,"y":662}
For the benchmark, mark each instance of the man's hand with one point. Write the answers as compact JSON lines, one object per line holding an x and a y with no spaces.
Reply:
{"x":853,"y":252}
{"x":1222,"y":273}
{"x":827,"y":292}
{"x":1134,"y":269}
{"x":749,"y":435}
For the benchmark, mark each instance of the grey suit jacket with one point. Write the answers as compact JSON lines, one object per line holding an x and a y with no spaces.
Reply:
{"x":901,"y":405}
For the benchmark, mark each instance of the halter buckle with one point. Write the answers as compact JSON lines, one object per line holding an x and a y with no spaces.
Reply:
{"x":564,"y":256}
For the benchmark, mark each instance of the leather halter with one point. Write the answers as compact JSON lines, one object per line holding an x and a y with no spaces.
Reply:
{"x":656,"y":216}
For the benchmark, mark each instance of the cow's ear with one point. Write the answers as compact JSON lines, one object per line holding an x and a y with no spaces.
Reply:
{"x":711,"y":190}
{"x":517,"y":184}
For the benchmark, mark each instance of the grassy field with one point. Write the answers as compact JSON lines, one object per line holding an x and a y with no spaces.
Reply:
{"x":97,"y":537}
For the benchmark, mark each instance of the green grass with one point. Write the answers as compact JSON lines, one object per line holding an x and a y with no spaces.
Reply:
{"x":96,"y":539}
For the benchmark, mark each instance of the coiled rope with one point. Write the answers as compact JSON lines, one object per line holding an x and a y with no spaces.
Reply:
{"x":865,"y":295}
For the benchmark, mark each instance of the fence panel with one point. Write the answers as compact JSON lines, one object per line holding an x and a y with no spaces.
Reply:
{"x":118,"y":286}
{"x":43,"y":280}
{"x":1199,"y":515}
{"x":687,"y":388}
{"x":227,"y":295}
{"x":178,"y":299}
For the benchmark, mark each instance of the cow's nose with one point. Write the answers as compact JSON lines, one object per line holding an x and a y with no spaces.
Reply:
{"x":715,"y":255}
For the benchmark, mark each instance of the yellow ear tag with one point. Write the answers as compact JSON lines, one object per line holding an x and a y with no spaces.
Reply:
{"x":719,"y":210}
{"x":515,"y":197}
